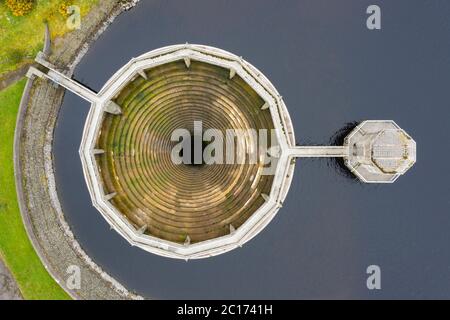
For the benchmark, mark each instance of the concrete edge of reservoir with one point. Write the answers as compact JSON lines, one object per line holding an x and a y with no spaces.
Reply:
{"x":41,"y":212}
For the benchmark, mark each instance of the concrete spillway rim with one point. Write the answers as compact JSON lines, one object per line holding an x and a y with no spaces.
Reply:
{"x":283,"y":174}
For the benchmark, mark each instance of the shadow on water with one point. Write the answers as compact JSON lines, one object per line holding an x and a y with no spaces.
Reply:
{"x":338,"y":163}
{"x":337,"y":139}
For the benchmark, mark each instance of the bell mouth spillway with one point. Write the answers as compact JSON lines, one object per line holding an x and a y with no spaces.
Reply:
{"x":153,"y":204}
{"x":176,"y":201}
{"x":183,"y":211}
{"x":173,"y":208}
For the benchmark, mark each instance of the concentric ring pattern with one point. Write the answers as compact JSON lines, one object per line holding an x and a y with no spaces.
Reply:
{"x":169,"y":201}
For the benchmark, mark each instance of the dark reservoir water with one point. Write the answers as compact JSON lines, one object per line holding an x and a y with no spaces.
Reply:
{"x":331,"y":70}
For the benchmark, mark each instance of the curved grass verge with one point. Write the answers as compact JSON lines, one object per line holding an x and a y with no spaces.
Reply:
{"x":15,"y":247}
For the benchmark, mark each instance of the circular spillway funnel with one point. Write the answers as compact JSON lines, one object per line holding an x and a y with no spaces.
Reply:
{"x":187,"y":210}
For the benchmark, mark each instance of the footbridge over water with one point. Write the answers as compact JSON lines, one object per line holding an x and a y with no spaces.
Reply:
{"x":50,"y":72}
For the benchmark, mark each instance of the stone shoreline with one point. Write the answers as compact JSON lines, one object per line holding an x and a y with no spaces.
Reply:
{"x":38,"y":199}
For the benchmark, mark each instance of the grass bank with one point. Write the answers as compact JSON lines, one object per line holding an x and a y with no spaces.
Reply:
{"x":22,"y":37}
{"x":15,"y":247}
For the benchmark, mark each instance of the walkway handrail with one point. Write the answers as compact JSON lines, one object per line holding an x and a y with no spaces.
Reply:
{"x":319,"y":151}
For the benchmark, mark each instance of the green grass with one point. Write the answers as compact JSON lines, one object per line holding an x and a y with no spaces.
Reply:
{"x":22,"y":37}
{"x":15,"y":247}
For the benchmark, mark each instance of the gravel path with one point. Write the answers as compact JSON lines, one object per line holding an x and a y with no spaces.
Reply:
{"x":8,"y":286}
